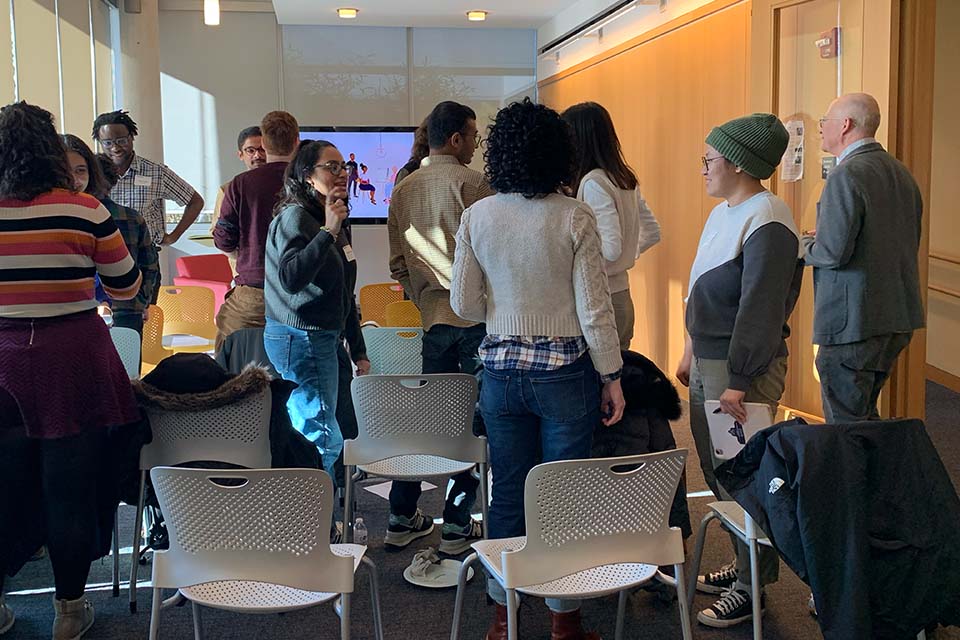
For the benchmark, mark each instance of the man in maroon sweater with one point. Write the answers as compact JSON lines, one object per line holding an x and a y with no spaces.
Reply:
{"x":245,"y":216}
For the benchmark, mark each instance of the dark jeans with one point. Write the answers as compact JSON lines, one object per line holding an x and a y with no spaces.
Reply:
{"x":346,"y":416}
{"x":852,"y":376}
{"x":534,"y":417}
{"x":129,"y":319}
{"x":446,"y":349}
{"x":49,"y":496}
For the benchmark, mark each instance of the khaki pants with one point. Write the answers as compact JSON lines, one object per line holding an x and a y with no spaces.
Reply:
{"x":708,"y":381}
{"x":243,"y":307}
{"x":623,"y":315}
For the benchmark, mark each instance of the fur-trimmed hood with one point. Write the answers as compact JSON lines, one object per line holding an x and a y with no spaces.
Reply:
{"x":646,"y":387}
{"x":253,"y":379}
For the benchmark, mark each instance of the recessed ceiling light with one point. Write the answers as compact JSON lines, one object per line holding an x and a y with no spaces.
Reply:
{"x":211,"y":12}
{"x":347,"y":13}
{"x":476,"y":16}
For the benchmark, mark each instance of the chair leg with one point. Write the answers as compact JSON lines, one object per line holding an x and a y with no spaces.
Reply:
{"x":116,"y":554}
{"x":682,"y":603}
{"x":484,"y":498}
{"x":375,"y":597}
{"x":135,"y":557}
{"x":512,"y":606}
{"x":697,"y":556}
{"x":348,"y":472}
{"x":155,"y":615}
{"x":197,"y":622}
{"x":345,"y":616}
{"x":755,"y":589}
{"x":621,"y":614}
{"x":461,"y":586}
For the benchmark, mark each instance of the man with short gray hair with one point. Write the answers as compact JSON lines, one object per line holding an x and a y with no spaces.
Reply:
{"x":864,"y":256}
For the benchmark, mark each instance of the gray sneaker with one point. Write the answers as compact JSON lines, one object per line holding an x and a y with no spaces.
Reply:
{"x":401,"y":530}
{"x":455,"y":539}
{"x":6,"y":617}
{"x":74,"y":618}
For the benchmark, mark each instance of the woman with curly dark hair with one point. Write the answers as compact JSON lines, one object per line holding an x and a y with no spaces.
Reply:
{"x":62,"y":384}
{"x":419,"y":151}
{"x":305,"y":292}
{"x":528,"y":263}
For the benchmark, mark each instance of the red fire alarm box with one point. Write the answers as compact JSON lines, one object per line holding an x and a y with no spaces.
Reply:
{"x":829,"y":43}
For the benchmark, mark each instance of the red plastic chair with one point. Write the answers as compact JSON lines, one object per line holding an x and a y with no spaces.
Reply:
{"x":211,"y":271}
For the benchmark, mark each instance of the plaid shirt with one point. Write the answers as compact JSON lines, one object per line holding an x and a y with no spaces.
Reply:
{"x":145,"y":186}
{"x":533,"y":353}
{"x":137,"y":238}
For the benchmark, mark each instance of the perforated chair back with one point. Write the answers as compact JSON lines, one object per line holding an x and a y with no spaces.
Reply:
{"x":374,"y":299}
{"x":582,"y":514}
{"x":153,"y":350}
{"x":394,"y":350}
{"x":404,"y":415}
{"x":402,"y":314}
{"x":188,"y":311}
{"x":127,"y":343}
{"x":236,"y":433}
{"x":264,"y":525}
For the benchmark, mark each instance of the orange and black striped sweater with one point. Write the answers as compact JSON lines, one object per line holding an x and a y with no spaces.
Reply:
{"x":50,"y":249}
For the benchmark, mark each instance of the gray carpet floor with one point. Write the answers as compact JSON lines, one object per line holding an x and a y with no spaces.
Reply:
{"x":416,"y":613}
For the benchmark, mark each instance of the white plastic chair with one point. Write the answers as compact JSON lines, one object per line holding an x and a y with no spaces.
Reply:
{"x":253,"y":541}
{"x":413,"y":428}
{"x":237,"y":433}
{"x":127,"y":343}
{"x":737,"y":521}
{"x":394,"y":350}
{"x":594,"y":527}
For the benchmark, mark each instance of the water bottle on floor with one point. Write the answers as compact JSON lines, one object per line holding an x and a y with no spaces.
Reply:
{"x":359,"y":531}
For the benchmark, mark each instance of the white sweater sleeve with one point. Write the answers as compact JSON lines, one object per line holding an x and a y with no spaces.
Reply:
{"x":468,"y":289}
{"x":649,"y":227}
{"x":592,"y":294}
{"x":608,"y":219}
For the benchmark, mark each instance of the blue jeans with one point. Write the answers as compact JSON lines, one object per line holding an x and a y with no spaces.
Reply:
{"x":534,"y":417}
{"x":129,"y":319}
{"x":309,"y":358}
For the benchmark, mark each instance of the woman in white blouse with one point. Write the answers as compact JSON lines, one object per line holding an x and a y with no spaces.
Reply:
{"x":604,"y":180}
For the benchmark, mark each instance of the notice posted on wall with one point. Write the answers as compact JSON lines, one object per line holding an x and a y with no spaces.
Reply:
{"x":791,"y":166}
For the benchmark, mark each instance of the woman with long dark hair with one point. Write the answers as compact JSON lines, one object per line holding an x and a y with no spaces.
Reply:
{"x":603,"y":179}
{"x":419,"y":151}
{"x":528,"y":264}
{"x":62,"y":384}
{"x":90,"y":176}
{"x":306,"y":297}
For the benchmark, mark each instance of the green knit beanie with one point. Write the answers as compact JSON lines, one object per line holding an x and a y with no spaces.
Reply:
{"x":754,"y":143}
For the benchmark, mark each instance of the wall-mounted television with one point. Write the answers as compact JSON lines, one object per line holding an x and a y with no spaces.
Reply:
{"x":379,"y":152}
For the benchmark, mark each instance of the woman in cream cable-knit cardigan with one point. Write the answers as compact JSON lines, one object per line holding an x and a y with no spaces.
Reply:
{"x":528,"y":263}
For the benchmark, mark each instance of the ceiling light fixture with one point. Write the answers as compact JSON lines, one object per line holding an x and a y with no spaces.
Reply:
{"x":211,"y":12}
{"x":476,"y":16}
{"x":348,"y":13}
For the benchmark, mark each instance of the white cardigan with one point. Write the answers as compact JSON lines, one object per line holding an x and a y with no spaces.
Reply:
{"x":626,"y":224}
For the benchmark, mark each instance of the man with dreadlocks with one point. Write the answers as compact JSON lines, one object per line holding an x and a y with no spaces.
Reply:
{"x":144,"y":185}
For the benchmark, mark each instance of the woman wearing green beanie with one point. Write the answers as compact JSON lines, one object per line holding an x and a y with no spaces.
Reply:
{"x":743,"y":286}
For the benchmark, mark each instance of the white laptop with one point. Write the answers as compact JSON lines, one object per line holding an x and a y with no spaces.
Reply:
{"x":729,"y":435}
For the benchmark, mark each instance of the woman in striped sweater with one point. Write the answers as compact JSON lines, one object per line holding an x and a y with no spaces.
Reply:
{"x":61,"y":381}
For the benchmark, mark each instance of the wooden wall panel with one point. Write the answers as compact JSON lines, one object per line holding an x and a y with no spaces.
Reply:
{"x":665,"y":92}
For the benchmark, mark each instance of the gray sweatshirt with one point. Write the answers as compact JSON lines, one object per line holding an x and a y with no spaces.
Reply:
{"x":744,"y":284}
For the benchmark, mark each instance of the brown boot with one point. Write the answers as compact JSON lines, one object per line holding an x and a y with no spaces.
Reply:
{"x":566,"y":626}
{"x":498,"y":630}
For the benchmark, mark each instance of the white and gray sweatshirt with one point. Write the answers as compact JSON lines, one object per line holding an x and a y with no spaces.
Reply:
{"x":744,"y":284}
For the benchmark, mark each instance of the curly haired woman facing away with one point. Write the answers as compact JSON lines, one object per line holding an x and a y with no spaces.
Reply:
{"x":62,"y":384}
{"x":528,"y":263}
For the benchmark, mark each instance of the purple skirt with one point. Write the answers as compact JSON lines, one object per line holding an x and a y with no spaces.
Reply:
{"x":64,"y":375}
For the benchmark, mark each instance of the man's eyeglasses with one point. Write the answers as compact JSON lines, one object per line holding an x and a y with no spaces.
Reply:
{"x":336,"y":168}
{"x":109,"y":144}
{"x":706,"y":161}
{"x":254,"y":151}
{"x":822,"y":120}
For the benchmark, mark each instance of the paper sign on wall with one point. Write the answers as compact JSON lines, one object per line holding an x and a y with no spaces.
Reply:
{"x":791,"y":166}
